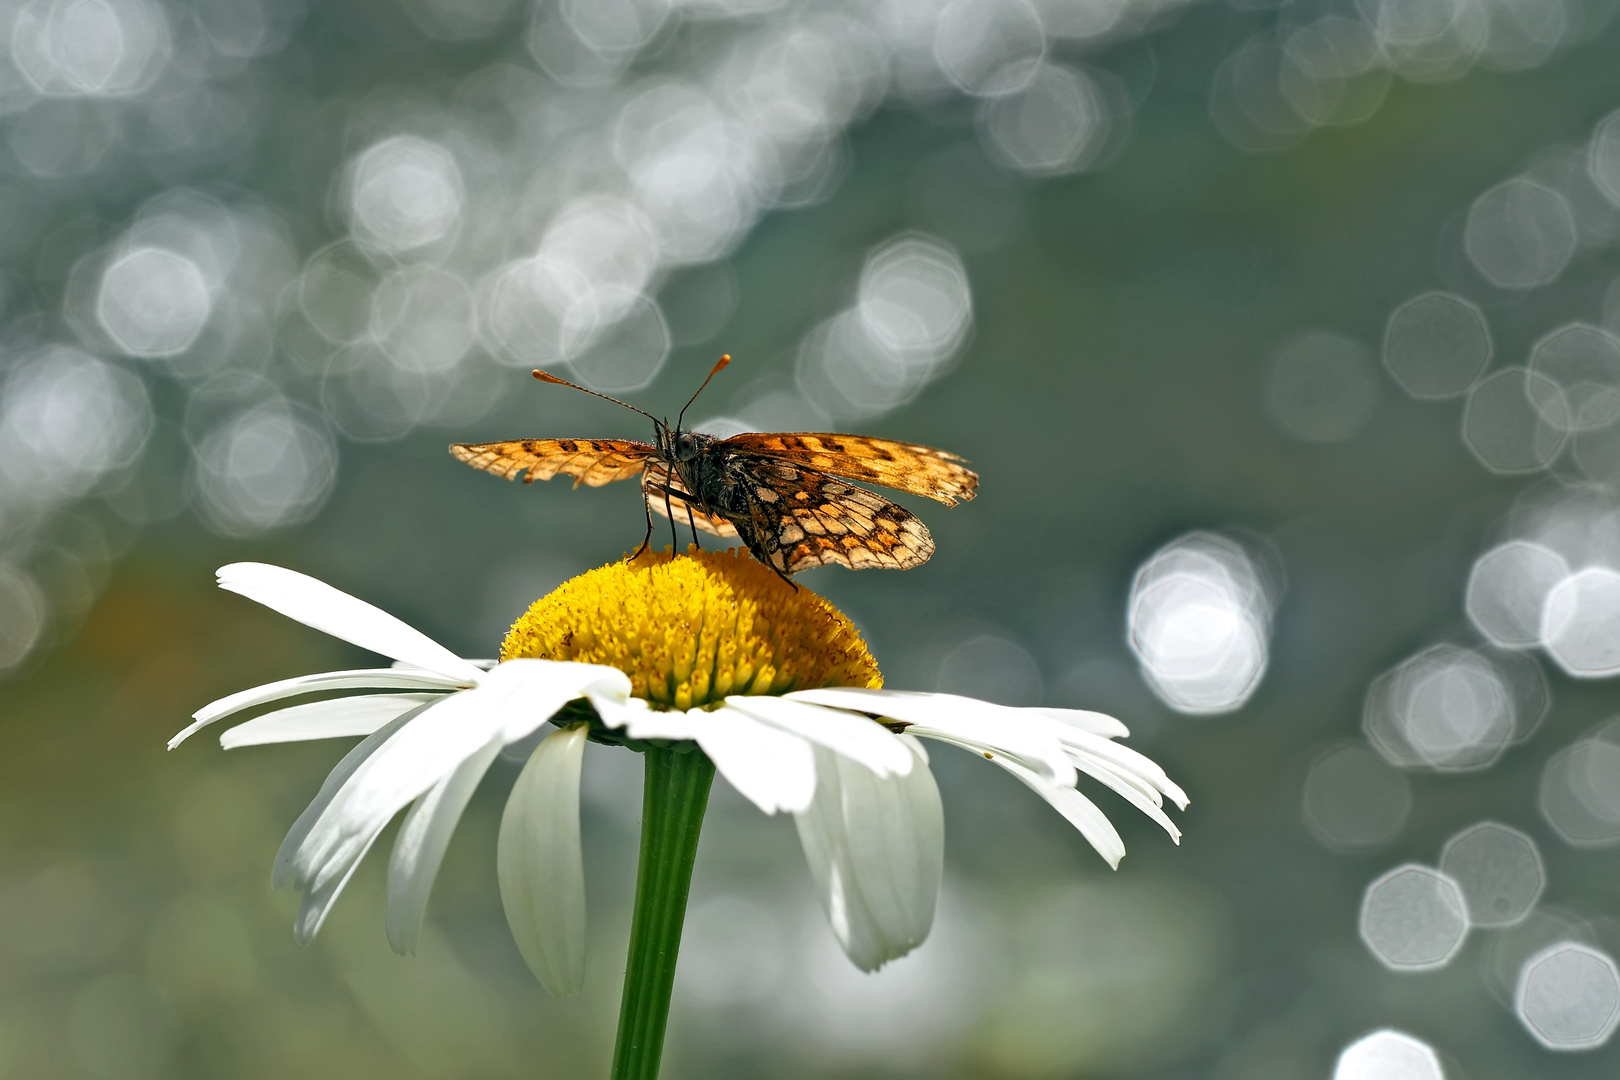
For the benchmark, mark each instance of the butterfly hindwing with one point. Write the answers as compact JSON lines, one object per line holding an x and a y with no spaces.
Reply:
{"x":592,"y":462}
{"x":802,"y":518}
{"x":679,"y":503}
{"x":920,"y":470}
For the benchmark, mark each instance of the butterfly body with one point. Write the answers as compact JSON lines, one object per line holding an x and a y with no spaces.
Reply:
{"x":782,"y":495}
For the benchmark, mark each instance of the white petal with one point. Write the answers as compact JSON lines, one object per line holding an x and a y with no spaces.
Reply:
{"x":876,"y":848}
{"x":282,"y":870}
{"x":1032,"y":739}
{"x":330,"y":719}
{"x":771,"y":768}
{"x":640,"y":721}
{"x":419,"y":847}
{"x":850,"y":734}
{"x":508,"y":703}
{"x":1080,"y":811}
{"x":1095,"y":723}
{"x":540,"y":865}
{"x":1126,"y":760}
{"x":1131,"y":790}
{"x":313,"y":908}
{"x":315,"y":603}
{"x":355,"y":679}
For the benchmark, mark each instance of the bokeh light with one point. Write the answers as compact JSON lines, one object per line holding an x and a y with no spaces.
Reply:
{"x":1516,"y":421}
{"x":1569,"y":997}
{"x":1413,"y":918}
{"x":1388,"y":1054}
{"x":1354,"y":800}
{"x":1520,"y":234}
{"x":1499,"y":871}
{"x":1580,"y":623}
{"x":1200,"y":623}
{"x":1322,"y":387}
{"x":1436,"y":345}
{"x":265,"y":467}
{"x":1580,"y":789}
{"x":1453,"y":709}
{"x":1507,"y":592}
{"x":67,"y":420}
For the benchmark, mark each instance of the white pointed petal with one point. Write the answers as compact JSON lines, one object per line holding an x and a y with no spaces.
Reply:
{"x":540,"y":865}
{"x":1126,"y":760}
{"x":850,"y":734}
{"x":1080,"y":811}
{"x":419,"y":847}
{"x":330,"y":719}
{"x":875,"y":846}
{"x":772,"y":769}
{"x":508,"y":703}
{"x":317,"y":604}
{"x":1094,"y":723}
{"x":313,"y":908}
{"x":283,"y":869}
{"x":355,"y":679}
{"x":1131,"y":791}
{"x":1030,"y":738}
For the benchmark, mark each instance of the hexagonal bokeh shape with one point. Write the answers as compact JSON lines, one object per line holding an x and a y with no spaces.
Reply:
{"x":1414,"y":918}
{"x":1499,"y":871}
{"x":1353,"y":799}
{"x":1436,"y":345}
{"x":1568,"y":997}
{"x":1388,"y":1054}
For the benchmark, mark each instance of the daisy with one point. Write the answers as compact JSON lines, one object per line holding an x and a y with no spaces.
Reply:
{"x":701,"y":662}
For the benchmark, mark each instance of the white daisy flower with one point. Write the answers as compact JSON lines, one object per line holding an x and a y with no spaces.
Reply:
{"x":709,"y":653}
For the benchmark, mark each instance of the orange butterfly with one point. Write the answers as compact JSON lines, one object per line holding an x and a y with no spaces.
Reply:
{"x":776,"y":493}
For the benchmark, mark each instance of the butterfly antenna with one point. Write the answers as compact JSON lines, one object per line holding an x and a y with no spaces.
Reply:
{"x":546,"y":378}
{"x":719,"y":366}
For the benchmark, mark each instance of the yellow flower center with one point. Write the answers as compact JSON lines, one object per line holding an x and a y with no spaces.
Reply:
{"x":690,"y":629}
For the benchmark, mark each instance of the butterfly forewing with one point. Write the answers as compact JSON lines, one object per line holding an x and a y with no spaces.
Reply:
{"x":592,"y":462}
{"x":803,"y":518}
{"x":920,"y":470}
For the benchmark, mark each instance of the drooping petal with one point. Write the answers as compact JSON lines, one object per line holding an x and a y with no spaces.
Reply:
{"x":509,"y":703}
{"x":1133,"y":762}
{"x":355,"y":679}
{"x":1031,"y":739}
{"x":317,"y":903}
{"x":283,"y":870}
{"x":330,"y":719}
{"x":850,"y":734}
{"x":771,"y":768}
{"x":419,"y":847}
{"x":317,"y":604}
{"x":1078,"y":810}
{"x":1132,"y":791}
{"x":875,"y":845}
{"x":540,"y":865}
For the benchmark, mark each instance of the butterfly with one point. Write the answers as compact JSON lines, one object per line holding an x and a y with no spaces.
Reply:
{"x":782,"y":495}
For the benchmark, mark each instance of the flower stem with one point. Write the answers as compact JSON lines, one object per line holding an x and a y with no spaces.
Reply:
{"x":675,"y":794}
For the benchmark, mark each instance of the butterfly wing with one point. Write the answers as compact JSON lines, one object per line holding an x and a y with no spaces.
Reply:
{"x":685,"y":510}
{"x":801,"y":518}
{"x":920,"y":470}
{"x":592,"y":462}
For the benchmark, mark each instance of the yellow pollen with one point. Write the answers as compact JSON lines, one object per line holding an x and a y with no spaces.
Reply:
{"x":691,"y":629}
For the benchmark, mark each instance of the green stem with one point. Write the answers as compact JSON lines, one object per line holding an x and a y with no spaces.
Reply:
{"x":675,"y":794}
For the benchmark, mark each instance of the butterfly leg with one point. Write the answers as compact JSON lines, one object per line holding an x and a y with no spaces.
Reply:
{"x":646,"y":541}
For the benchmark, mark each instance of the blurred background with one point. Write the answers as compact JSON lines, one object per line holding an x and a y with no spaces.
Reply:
{"x":1282,"y":335}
